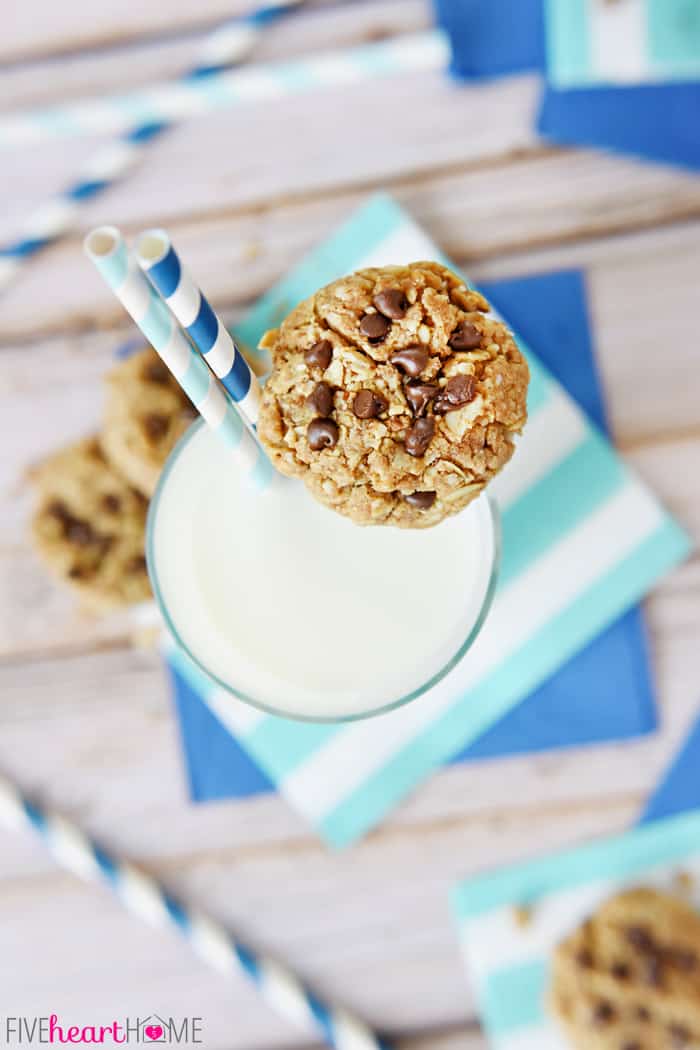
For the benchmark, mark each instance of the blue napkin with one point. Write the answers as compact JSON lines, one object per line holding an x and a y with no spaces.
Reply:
{"x":679,"y":789}
{"x":498,"y":37}
{"x":659,"y":122}
{"x":581,"y":704}
{"x":491,"y":38}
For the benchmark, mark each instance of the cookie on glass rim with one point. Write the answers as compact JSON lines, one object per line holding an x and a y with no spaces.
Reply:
{"x":393,"y":395}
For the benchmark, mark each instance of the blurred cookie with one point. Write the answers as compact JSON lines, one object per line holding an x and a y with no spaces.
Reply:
{"x":145,"y":414}
{"x":89,"y":526}
{"x":629,"y":977}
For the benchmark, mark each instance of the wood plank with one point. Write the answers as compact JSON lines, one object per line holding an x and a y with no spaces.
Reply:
{"x":39,"y":29}
{"x":259,"y":158}
{"x":143,"y":61}
{"x":478,"y":214}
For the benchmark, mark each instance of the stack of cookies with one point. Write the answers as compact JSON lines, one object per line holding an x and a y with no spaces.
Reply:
{"x":90,"y":520}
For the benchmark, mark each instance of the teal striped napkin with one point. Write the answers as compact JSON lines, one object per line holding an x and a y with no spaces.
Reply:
{"x":583,"y":540}
{"x":622,"y":41}
{"x":508,"y":962}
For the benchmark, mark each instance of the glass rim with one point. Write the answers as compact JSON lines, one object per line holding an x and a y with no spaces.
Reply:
{"x":239,"y":694}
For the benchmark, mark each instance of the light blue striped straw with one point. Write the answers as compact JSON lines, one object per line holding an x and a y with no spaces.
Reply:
{"x":106,"y":248}
{"x":160,"y":262}
{"x":226,"y":46}
{"x":143,"y":896}
{"x":414,"y":52}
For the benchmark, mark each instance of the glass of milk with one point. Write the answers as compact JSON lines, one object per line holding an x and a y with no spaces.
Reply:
{"x":298,"y":611}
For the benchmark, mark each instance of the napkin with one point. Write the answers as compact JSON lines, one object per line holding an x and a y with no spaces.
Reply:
{"x":658,"y":122}
{"x":629,"y":41}
{"x":583,"y":540}
{"x":506,"y":960}
{"x":582,"y":703}
{"x":680,"y":786}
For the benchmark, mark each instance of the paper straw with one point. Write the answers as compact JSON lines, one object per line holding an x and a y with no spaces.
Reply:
{"x":228,"y":45}
{"x":106,"y":248}
{"x":160,"y":262}
{"x":168,"y":102}
{"x":143,"y":896}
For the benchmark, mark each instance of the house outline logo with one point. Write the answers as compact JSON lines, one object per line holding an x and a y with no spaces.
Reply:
{"x":153,"y":1021}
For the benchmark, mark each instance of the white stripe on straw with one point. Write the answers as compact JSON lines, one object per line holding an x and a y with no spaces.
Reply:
{"x":414,"y":53}
{"x":106,"y":248}
{"x":162,"y":265}
{"x":141,"y":895}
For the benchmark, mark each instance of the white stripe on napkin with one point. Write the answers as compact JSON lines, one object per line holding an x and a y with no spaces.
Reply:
{"x":536,"y":453}
{"x":618,"y":40}
{"x":539,"y":1037}
{"x":239,"y":717}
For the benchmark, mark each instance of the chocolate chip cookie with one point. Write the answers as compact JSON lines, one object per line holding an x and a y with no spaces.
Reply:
{"x":145,"y":414}
{"x":393,"y":395}
{"x":629,"y":977}
{"x":89,"y":526}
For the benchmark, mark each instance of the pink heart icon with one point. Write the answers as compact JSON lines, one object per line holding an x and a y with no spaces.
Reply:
{"x":154,"y":1031}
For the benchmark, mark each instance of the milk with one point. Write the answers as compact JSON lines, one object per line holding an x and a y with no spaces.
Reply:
{"x":296,"y":608}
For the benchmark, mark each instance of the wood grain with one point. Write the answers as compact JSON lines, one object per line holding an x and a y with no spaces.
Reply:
{"x":39,"y":29}
{"x":85,"y":719}
{"x":146,"y":59}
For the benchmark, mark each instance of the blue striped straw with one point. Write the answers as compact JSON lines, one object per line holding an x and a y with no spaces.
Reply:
{"x":229,"y":45}
{"x":106,"y":248}
{"x":146,"y":898}
{"x":160,"y":262}
{"x":413,"y":52}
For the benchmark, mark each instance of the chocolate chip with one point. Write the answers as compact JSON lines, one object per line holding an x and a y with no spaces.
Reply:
{"x":80,"y":532}
{"x":631,"y":1045}
{"x":136,"y":565}
{"x":640,"y":938}
{"x":419,"y":436}
{"x":111,"y":504}
{"x":367,"y":404}
{"x":374,"y":327}
{"x":584,"y":958}
{"x":392,"y":303}
{"x":81,"y":572}
{"x":320,"y":354}
{"x":602,"y":1013}
{"x":412,"y":360}
{"x":465,"y":337}
{"x":652,"y":972}
{"x":419,"y":395}
{"x":682,"y":958}
{"x":95,"y":452}
{"x":460,"y":390}
{"x":321,"y":399}
{"x":620,"y":970}
{"x":680,"y":1036}
{"x":155,"y":425}
{"x":322,"y":433}
{"x":643,"y":1014}
{"x":57,"y":509}
{"x":156,"y":372}
{"x":422,"y":500}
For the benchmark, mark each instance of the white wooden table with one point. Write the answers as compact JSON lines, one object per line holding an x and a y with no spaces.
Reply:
{"x":85,"y":719}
